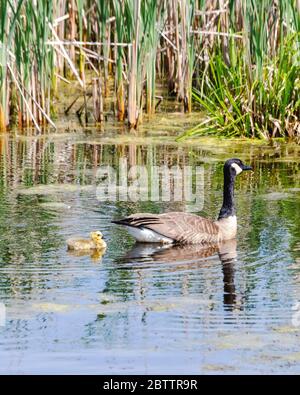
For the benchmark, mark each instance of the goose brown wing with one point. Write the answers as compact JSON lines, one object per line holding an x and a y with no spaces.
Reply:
{"x":181,"y":227}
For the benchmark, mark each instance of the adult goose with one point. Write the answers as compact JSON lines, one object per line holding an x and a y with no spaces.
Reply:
{"x":185,"y":228}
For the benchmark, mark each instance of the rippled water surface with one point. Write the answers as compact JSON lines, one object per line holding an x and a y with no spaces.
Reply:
{"x":141,"y":309}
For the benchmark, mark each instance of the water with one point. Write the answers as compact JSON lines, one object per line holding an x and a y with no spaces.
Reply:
{"x":143,"y":309}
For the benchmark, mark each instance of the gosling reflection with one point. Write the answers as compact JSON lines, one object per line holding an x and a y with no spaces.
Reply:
{"x":196,"y":255}
{"x":95,"y":255}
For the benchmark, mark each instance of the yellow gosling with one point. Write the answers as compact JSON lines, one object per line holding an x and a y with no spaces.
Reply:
{"x":95,"y":243}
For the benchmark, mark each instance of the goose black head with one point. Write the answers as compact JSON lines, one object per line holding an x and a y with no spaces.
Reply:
{"x":235,"y":166}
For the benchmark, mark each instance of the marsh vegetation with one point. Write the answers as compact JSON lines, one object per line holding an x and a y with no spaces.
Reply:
{"x":136,"y":309}
{"x":239,"y":60}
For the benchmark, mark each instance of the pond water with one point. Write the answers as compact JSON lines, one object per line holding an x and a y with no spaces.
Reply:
{"x":137,"y":309}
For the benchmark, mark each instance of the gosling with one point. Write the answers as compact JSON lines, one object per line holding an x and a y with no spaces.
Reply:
{"x":96,"y":243}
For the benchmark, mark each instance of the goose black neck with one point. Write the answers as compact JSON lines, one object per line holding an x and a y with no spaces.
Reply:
{"x":228,"y":208}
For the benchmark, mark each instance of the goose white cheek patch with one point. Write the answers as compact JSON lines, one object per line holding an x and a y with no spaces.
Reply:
{"x":237,"y":168}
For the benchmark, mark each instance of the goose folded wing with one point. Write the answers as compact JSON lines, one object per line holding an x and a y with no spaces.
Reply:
{"x":181,"y":227}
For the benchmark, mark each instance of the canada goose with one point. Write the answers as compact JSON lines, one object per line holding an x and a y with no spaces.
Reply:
{"x":96,"y":243}
{"x":185,"y":228}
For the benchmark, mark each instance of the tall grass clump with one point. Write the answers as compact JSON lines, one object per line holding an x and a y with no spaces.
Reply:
{"x":252,"y":89}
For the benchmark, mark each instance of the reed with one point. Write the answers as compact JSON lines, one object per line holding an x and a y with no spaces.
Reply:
{"x":238,"y":60}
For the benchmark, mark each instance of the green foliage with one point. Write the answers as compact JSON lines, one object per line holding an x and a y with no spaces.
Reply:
{"x":253,"y":91}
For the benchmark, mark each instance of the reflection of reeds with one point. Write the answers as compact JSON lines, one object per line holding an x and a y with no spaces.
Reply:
{"x":133,"y":43}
